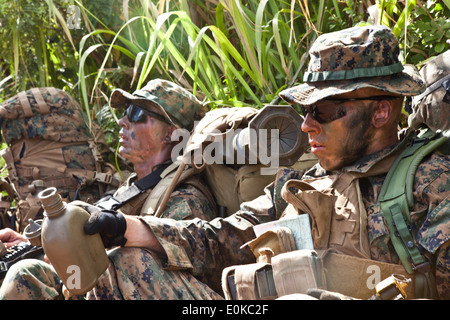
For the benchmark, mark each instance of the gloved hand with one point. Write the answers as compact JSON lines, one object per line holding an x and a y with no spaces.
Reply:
{"x":328,"y":295}
{"x":110,"y":224}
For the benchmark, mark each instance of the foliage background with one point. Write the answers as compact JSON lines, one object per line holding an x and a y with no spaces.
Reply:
{"x":228,"y":52}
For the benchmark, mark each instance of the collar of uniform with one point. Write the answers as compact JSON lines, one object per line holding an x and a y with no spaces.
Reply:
{"x":133,"y":176}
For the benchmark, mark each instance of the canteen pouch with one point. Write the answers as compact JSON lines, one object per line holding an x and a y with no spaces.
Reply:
{"x":297,"y":271}
{"x":290,"y":272}
{"x":248,"y":282}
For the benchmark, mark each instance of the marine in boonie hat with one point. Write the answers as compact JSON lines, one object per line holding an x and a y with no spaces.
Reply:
{"x":353,"y":59}
{"x":179,"y":106}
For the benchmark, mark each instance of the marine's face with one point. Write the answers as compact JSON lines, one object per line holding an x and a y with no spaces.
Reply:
{"x":141,"y":137}
{"x":339,"y":131}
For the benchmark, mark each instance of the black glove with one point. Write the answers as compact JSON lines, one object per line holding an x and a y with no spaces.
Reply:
{"x":110,"y":224}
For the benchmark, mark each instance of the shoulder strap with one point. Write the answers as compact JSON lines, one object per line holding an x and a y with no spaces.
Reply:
{"x":159,"y":197}
{"x":165,"y":186}
{"x":396,"y":198}
{"x":135,"y":189}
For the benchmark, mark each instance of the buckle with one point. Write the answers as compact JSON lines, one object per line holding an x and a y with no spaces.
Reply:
{"x":110,"y":204}
{"x":423,"y":267}
{"x":102,"y":177}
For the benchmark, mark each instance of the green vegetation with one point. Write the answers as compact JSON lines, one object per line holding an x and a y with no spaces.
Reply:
{"x":228,"y":52}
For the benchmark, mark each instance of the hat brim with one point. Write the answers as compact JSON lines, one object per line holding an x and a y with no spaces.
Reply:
{"x":120,"y":99}
{"x":406,"y":83}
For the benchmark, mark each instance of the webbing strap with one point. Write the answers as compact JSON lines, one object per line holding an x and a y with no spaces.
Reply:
{"x":396,"y":199}
{"x":41,"y":104}
{"x":140,"y":186}
{"x":26,"y":106}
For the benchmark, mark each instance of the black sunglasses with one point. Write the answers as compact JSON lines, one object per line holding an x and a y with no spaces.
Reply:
{"x":136,"y":114}
{"x":332,"y":109}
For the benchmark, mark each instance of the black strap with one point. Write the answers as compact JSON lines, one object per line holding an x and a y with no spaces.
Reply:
{"x":135,"y":189}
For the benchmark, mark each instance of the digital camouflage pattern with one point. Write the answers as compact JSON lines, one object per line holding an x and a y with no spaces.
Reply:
{"x":146,"y":279}
{"x":203,"y":249}
{"x":180,"y":106}
{"x":432,"y":108}
{"x":185,"y":202}
{"x":44,"y":113}
{"x":351,"y":59}
{"x":50,"y":145}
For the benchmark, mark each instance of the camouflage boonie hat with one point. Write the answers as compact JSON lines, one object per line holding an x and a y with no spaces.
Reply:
{"x":433,"y":106}
{"x":352,"y":59}
{"x":177,"y":104}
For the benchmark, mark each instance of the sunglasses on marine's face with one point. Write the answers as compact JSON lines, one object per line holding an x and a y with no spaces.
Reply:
{"x":329,"y":110}
{"x":136,"y":114}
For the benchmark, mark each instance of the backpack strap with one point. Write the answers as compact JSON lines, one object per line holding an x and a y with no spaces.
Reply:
{"x":396,"y":200}
{"x":134,"y":190}
{"x":26,"y":106}
{"x":178,"y":175}
{"x":41,"y":104}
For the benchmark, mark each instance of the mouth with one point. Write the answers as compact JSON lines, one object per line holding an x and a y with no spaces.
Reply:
{"x":122,"y":137}
{"x":316,"y":146}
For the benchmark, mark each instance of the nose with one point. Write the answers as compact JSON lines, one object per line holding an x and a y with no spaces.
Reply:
{"x":123,"y":122}
{"x":310,"y":125}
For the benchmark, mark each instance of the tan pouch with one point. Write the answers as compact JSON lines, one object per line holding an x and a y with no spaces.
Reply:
{"x":297,"y":271}
{"x":217,"y":176}
{"x":271,"y":243}
{"x":241,"y":282}
{"x":250,"y":183}
{"x":357,"y":277}
{"x":318,"y":205}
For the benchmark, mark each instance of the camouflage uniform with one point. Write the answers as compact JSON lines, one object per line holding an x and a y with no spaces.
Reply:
{"x":196,"y":251}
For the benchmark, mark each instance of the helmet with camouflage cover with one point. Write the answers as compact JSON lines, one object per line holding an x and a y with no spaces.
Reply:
{"x":345,"y":61}
{"x":433,"y":106}
{"x":177,"y":104}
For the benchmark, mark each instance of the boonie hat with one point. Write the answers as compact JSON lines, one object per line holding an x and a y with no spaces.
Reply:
{"x":177,"y":104}
{"x":352,"y":59}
